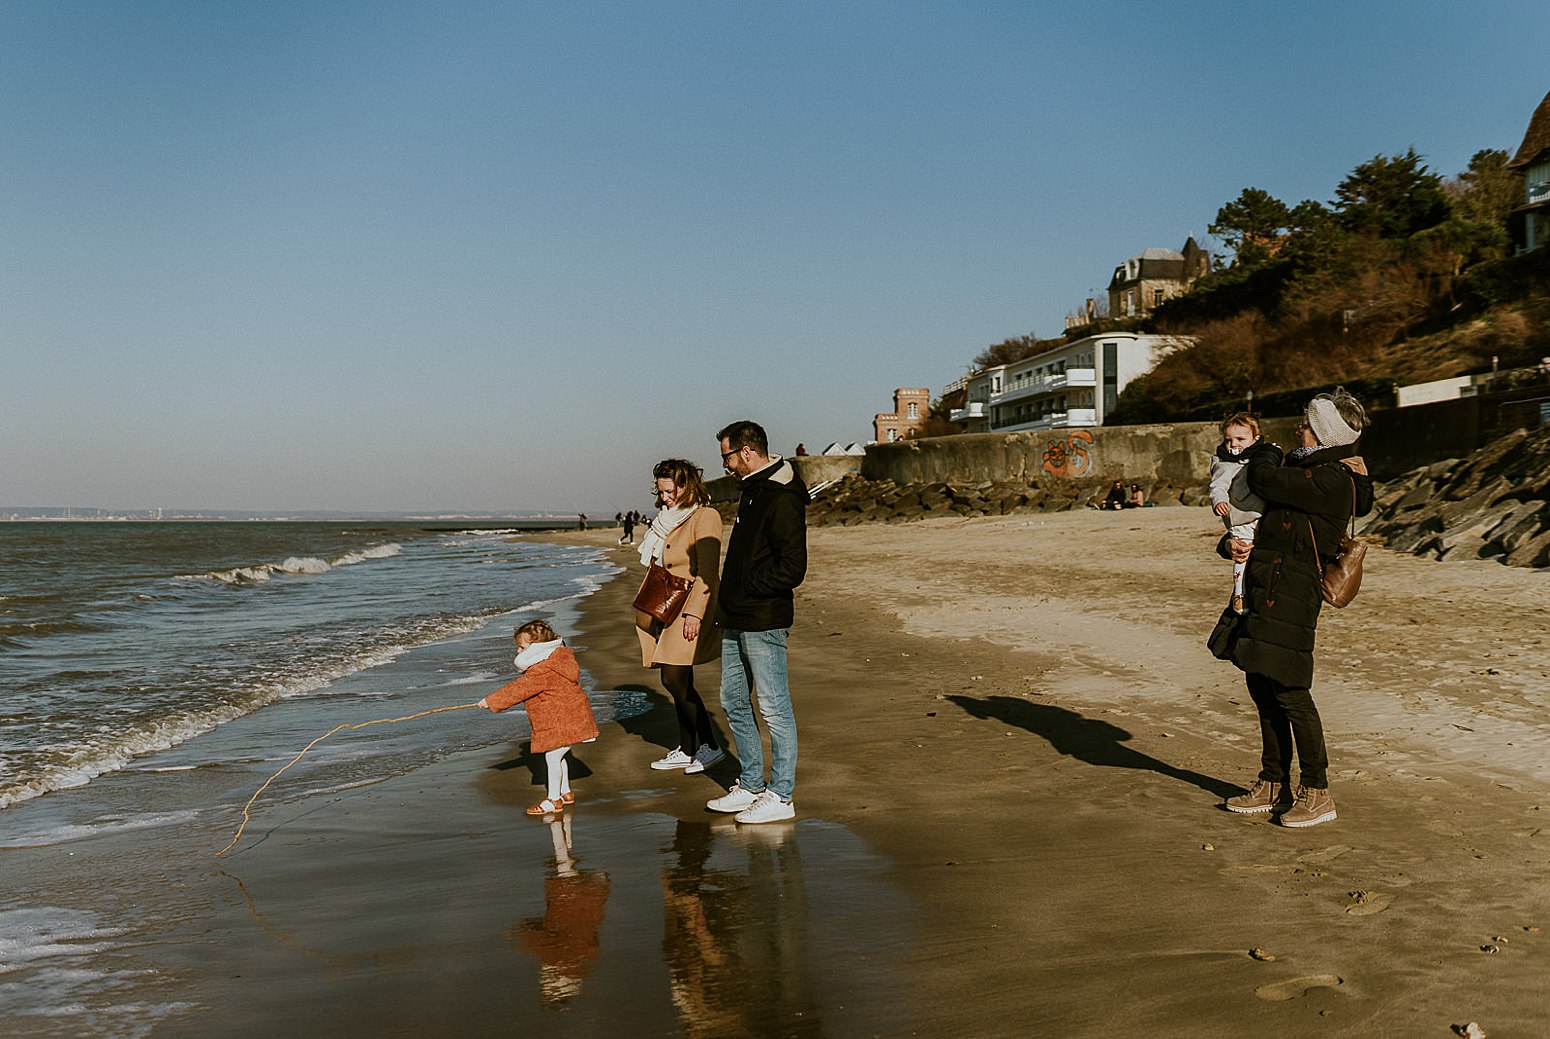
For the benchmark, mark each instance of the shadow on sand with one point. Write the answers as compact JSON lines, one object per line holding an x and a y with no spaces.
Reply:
{"x":1086,"y":739}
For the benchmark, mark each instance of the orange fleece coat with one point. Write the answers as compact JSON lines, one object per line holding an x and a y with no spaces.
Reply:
{"x":557,"y":706}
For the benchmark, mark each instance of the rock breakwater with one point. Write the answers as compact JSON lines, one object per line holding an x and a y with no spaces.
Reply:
{"x":856,"y":499}
{"x":1493,"y":504}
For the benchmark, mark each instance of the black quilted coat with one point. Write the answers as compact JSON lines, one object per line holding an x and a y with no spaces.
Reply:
{"x":1307,"y":499}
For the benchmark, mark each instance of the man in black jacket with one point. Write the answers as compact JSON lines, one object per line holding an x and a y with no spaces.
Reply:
{"x":766,"y":560}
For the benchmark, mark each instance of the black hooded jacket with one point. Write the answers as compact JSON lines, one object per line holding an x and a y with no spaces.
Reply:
{"x":766,"y":551}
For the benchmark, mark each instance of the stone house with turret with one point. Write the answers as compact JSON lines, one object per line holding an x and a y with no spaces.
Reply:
{"x":1144,"y":281}
{"x":1533,"y":158}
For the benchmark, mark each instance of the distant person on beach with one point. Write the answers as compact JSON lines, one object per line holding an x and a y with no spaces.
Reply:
{"x":801,"y":451}
{"x":628,"y":523}
{"x":549,"y":683}
{"x":1136,"y":498}
{"x":766,"y":561}
{"x":685,"y":537}
{"x":1308,"y":502}
{"x":581,"y":521}
{"x":1231,"y":498}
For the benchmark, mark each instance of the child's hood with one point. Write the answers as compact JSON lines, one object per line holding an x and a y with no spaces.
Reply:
{"x":556,"y":657}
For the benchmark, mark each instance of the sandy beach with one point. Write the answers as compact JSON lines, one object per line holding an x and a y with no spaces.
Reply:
{"x":1013,"y":748}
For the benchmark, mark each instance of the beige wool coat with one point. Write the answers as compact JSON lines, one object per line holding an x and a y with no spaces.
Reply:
{"x":693,"y":550}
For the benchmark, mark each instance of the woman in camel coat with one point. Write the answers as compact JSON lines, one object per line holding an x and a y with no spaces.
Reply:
{"x":685,"y":537}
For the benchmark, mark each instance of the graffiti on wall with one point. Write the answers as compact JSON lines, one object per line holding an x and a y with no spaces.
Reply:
{"x":1067,"y":457}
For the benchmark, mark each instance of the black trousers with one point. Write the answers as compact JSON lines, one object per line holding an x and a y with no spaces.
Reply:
{"x":1288,"y":719}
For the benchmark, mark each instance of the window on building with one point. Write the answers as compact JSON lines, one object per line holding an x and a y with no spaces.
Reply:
{"x":1110,"y":377}
{"x":893,"y":434}
{"x":914,"y":410}
{"x":1158,"y":295}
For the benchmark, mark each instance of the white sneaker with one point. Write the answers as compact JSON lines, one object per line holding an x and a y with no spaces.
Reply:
{"x":676,"y":758}
{"x":705,"y":757}
{"x":734,"y":800}
{"x":768,"y":808}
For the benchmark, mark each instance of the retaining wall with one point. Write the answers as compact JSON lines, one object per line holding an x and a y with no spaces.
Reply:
{"x":1177,"y":454}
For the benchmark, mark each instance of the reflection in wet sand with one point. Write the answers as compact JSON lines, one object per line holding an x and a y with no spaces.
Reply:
{"x":565,"y":938}
{"x":734,"y":931}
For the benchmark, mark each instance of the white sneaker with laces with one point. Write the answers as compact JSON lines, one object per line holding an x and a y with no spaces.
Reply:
{"x":676,"y":758}
{"x":735,"y":800}
{"x":705,"y":757}
{"x":768,"y":808}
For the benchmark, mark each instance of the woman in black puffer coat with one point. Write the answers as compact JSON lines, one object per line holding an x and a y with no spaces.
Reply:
{"x":1310,"y":496}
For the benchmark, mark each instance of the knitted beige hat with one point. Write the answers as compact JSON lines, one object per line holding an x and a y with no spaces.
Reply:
{"x":1327,"y":425}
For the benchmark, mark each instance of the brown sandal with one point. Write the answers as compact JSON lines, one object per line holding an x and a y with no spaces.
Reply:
{"x":547,"y":807}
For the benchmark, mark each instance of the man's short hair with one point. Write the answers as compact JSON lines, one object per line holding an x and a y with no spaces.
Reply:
{"x":745,"y":434}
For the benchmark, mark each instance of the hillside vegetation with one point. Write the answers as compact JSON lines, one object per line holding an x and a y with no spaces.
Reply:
{"x":1403,"y":277}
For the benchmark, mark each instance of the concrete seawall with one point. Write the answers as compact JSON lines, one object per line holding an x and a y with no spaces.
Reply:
{"x":1175,"y":455}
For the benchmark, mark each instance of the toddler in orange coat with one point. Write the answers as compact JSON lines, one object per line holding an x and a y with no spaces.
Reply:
{"x":549,"y":682}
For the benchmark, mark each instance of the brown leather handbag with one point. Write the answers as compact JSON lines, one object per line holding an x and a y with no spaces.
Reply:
{"x":662,"y":594}
{"x":1343,"y":576}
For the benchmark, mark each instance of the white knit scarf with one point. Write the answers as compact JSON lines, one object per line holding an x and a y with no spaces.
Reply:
{"x":535,"y":652}
{"x":653,"y":547}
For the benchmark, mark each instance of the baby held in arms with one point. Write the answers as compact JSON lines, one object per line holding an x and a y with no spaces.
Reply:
{"x":1231,"y":499}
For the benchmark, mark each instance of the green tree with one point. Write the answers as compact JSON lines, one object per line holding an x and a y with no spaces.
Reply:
{"x":1391,"y":197}
{"x":1250,"y":222}
{"x":1008,"y":350}
{"x":1487,"y":191}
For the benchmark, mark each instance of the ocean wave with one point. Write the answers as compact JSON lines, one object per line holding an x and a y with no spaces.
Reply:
{"x":258,"y":573}
{"x":96,"y":828}
{"x":79,"y":764}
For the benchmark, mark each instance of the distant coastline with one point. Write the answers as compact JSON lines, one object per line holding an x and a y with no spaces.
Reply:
{"x":528,"y":521}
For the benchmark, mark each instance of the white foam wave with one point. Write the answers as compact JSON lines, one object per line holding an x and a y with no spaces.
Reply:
{"x":477,"y":678}
{"x":82,"y":764}
{"x":30,"y":935}
{"x":297,"y":565}
{"x":363,"y":554}
{"x":96,"y":828}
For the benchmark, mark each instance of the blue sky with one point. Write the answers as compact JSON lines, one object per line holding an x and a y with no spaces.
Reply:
{"x":381,"y":256}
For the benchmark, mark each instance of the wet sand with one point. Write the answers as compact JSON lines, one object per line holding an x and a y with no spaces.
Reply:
{"x":1013,"y":745}
{"x":1020,"y":716}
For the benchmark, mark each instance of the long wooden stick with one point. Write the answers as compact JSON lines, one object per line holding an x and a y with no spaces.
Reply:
{"x":246,"y":809}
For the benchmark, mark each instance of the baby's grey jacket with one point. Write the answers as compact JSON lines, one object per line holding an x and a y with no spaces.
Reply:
{"x":1229,"y":483}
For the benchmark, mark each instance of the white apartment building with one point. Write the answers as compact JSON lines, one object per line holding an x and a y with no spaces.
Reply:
{"x":1072,"y":385}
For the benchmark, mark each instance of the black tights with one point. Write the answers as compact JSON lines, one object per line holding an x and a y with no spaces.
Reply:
{"x":693,"y":718}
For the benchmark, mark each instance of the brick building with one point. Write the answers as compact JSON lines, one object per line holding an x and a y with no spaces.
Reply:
{"x":910,"y":408}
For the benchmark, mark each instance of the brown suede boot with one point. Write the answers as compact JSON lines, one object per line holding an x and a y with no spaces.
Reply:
{"x":1265,"y":797}
{"x":1313,"y":806}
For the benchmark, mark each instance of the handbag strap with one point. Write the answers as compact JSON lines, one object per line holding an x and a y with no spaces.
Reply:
{"x":1313,"y":537}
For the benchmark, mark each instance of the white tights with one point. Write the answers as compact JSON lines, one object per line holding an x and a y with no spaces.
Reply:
{"x":559,"y":772}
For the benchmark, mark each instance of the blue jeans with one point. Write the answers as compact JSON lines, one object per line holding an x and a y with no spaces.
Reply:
{"x":753,"y":664}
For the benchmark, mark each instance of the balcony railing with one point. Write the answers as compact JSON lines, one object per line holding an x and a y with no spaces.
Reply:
{"x":1047,"y":384}
{"x":1070,"y":418}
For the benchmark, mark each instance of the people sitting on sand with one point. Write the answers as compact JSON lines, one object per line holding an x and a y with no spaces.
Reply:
{"x":1115,"y":499}
{"x":1136,"y":498}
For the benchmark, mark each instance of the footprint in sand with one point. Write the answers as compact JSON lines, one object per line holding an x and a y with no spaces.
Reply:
{"x":1365,"y":903}
{"x":1293,"y":987}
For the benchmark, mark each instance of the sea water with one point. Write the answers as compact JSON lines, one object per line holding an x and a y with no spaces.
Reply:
{"x":160,"y":648}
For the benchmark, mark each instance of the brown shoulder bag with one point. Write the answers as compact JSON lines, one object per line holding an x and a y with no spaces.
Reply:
{"x":1343,"y":576}
{"x":662,"y":594}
